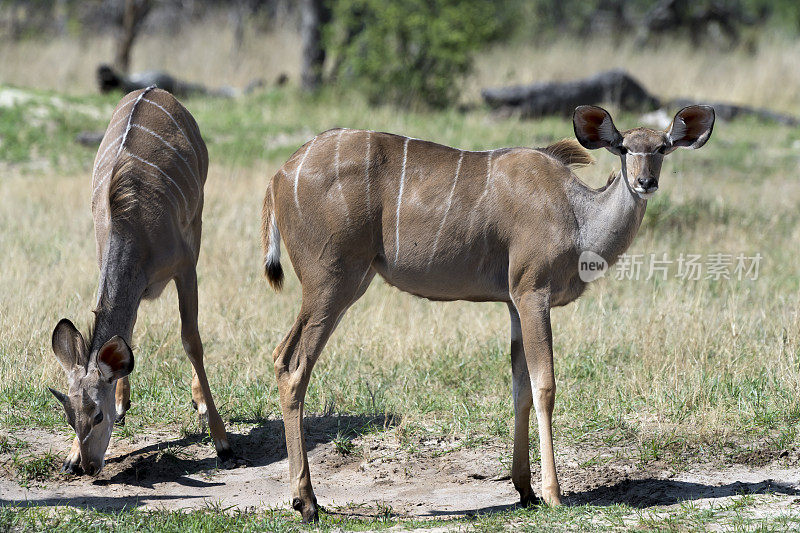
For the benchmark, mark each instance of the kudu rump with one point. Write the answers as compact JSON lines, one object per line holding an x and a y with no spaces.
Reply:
{"x":147,"y":203}
{"x":505,"y":225}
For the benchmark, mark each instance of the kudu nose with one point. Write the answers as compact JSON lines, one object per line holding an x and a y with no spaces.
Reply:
{"x":647,"y":183}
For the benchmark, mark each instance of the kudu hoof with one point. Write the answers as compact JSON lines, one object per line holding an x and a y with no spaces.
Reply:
{"x":226,"y":455}
{"x":120,"y":419}
{"x":202,"y":418}
{"x":307,"y":509}
{"x":228,"y":460}
{"x":72,"y":467}
{"x":530,"y":500}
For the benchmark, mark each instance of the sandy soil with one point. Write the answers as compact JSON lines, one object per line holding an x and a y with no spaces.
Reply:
{"x":438,"y":479}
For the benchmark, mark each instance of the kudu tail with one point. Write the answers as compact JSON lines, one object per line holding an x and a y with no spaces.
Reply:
{"x":271,"y":243}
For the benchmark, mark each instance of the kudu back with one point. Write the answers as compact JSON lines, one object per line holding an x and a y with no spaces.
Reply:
{"x":503,"y":225}
{"x":147,"y":203}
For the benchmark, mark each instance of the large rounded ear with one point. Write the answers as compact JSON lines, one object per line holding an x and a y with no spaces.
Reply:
{"x":691,"y":126}
{"x":595,"y":129}
{"x":115,"y":359}
{"x":68,"y":346}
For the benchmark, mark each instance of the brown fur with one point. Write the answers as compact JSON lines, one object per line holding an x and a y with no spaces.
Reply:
{"x":505,"y":225}
{"x":122,"y":186}
{"x":147,"y":201}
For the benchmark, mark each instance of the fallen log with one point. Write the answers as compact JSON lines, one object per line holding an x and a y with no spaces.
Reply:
{"x":726,"y":111}
{"x":109,"y":79}
{"x":615,"y":87}
{"x":561,"y":98}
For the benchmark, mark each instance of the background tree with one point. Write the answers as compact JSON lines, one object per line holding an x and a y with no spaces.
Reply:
{"x":133,"y":14}
{"x":313,"y":15}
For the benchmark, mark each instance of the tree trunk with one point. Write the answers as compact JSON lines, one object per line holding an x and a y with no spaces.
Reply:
{"x":312,"y":18}
{"x":134,"y":13}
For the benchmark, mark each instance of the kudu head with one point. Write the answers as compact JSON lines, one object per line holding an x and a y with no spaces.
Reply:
{"x":642,"y":150}
{"x":92,"y":377}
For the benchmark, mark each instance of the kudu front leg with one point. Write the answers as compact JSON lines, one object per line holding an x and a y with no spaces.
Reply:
{"x":523,"y":401}
{"x":187,"y":301}
{"x":537,"y":338}
{"x":122,"y":397}
{"x":198,"y":400}
{"x":72,"y":464}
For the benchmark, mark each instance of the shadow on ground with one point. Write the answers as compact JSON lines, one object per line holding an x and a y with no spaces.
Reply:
{"x":643,"y":493}
{"x":175,"y":460}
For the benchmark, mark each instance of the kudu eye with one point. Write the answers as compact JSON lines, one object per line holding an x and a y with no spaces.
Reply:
{"x":98,"y":419}
{"x":662,"y":149}
{"x":622,"y":150}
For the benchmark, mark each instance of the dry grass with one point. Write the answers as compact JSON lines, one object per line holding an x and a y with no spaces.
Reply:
{"x":645,"y":357}
{"x":761,"y":75}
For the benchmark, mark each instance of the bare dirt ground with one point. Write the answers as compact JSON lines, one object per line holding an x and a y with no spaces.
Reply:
{"x":163,"y":470}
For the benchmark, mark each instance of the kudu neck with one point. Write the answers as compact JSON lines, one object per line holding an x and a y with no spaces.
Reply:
{"x":609,"y":218}
{"x":119,"y":293}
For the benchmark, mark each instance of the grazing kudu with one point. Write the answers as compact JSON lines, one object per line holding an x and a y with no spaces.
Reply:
{"x":147,"y":203}
{"x":505,"y":225}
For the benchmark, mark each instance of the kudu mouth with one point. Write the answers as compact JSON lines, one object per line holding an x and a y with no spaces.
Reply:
{"x":92,"y":468}
{"x":645,"y":193}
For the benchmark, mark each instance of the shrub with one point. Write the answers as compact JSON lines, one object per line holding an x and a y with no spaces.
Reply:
{"x":408,"y":51}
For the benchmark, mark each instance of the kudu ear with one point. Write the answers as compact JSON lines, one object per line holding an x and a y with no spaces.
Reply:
{"x":691,"y":127}
{"x":595,"y":129}
{"x":115,"y":359}
{"x":68,"y":346}
{"x":61,"y":397}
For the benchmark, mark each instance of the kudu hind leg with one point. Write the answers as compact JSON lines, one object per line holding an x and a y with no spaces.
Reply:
{"x":294,"y":359}
{"x":187,"y":302}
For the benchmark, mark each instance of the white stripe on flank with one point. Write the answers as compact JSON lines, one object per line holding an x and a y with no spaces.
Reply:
{"x":485,"y":192}
{"x":336,"y":154}
{"x":102,"y":157}
{"x":366,"y":171}
{"x":446,"y":211}
{"x":191,"y":143}
{"x":130,"y":119}
{"x":120,"y":108}
{"x":338,"y":182}
{"x":115,"y":124}
{"x":400,"y":199}
{"x":185,"y":202}
{"x":99,"y":183}
{"x":297,"y":172}
{"x":167,"y":144}
{"x":488,"y":174}
{"x":173,"y":200}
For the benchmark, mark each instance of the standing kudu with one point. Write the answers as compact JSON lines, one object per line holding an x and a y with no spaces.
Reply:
{"x":147,"y":202}
{"x":503,"y":225}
